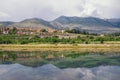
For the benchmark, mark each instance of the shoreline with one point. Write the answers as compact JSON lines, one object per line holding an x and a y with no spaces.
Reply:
{"x":62,"y":47}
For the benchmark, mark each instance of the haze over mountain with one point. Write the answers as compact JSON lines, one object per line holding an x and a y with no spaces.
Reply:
{"x":90,"y":24}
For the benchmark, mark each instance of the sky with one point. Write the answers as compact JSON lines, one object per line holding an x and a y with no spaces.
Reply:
{"x":17,"y":10}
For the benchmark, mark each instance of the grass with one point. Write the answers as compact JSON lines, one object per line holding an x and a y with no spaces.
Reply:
{"x":62,"y":47}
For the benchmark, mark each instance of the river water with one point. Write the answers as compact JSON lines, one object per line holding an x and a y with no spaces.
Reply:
{"x":59,"y":66}
{"x":51,"y":72}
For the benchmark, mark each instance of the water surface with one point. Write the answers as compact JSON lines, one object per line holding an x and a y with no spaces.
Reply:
{"x":49,"y":65}
{"x":51,"y":72}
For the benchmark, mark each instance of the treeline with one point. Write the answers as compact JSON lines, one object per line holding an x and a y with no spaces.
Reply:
{"x":26,"y":39}
{"x":115,"y":34}
{"x":77,"y":31}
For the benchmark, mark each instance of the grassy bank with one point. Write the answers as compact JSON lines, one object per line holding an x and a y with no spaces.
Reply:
{"x":62,"y":47}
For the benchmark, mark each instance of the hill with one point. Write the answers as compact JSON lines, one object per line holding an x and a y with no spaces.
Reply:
{"x":33,"y":23}
{"x":90,"y":24}
{"x":115,"y":22}
{"x":7,"y":23}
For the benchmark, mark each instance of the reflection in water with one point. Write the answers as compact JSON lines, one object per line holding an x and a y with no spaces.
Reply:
{"x":60,"y":59}
{"x":21,"y":56}
{"x":50,"y":72}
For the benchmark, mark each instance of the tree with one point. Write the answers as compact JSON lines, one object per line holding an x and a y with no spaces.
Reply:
{"x":101,"y":41}
{"x":44,"y":30}
{"x":0,"y":32}
{"x":13,"y":31}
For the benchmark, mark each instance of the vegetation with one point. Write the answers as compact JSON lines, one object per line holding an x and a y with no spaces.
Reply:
{"x":80,"y":39}
{"x":76,"y":31}
{"x":12,"y":31}
{"x":44,"y":30}
{"x":62,"y":47}
{"x":115,"y":34}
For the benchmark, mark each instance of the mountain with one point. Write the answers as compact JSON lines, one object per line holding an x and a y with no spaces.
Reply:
{"x":115,"y":22}
{"x":90,"y":24}
{"x":33,"y":23}
{"x":6,"y":23}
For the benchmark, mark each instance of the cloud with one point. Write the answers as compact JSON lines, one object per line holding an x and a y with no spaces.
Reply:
{"x":50,"y":9}
{"x":4,"y":15}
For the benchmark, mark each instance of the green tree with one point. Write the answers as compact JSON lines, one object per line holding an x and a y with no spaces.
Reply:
{"x":44,"y":30}
{"x":101,"y":41}
{"x":13,"y":31}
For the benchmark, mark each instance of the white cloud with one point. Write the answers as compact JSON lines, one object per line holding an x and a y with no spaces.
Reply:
{"x":4,"y":16}
{"x":50,"y":9}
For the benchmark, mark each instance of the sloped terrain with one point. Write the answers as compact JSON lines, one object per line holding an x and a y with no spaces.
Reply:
{"x":90,"y":24}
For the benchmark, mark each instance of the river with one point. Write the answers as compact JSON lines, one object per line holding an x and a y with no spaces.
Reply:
{"x":59,"y":66}
{"x":51,"y":72}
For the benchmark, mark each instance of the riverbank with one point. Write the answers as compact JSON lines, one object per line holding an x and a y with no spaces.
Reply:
{"x":62,"y":47}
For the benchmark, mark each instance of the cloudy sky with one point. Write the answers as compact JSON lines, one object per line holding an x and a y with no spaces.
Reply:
{"x":17,"y":10}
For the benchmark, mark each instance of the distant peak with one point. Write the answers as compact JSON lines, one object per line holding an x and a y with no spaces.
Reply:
{"x":62,"y":17}
{"x":34,"y":20}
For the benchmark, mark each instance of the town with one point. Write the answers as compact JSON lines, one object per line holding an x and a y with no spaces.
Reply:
{"x":42,"y":33}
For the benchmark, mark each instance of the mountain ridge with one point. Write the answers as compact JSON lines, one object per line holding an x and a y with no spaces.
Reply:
{"x":90,"y":24}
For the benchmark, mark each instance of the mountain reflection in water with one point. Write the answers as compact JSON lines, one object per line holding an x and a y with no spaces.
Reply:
{"x":51,"y":72}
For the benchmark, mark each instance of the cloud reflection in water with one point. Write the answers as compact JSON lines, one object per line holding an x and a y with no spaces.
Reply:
{"x":50,"y":72}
